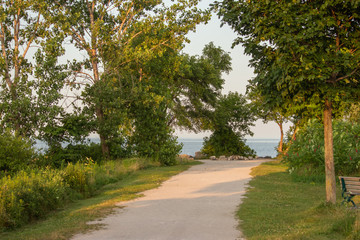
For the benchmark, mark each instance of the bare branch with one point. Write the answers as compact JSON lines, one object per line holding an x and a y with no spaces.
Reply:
{"x":86,"y":74}
{"x":350,"y":74}
{"x":120,"y":27}
{"x":16,"y":47}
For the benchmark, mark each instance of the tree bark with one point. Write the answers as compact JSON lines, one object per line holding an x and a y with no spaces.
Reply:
{"x":99,"y":111}
{"x":280,"y":147}
{"x":93,"y":53}
{"x":329,"y":154}
{"x":294,"y":133}
{"x":104,"y":146}
{"x":103,"y":139}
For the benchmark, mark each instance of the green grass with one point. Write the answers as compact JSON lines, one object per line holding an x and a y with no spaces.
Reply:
{"x":73,"y":219}
{"x":277,"y":207}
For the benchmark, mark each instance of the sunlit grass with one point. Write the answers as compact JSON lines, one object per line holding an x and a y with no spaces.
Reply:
{"x":276,"y":207}
{"x":73,"y":219}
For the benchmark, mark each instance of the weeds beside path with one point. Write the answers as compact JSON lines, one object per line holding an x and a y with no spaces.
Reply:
{"x":277,"y":207}
{"x":73,"y":219}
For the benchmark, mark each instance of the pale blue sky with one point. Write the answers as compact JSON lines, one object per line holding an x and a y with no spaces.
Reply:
{"x":237,"y":79}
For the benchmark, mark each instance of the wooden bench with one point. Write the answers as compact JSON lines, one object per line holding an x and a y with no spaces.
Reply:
{"x":350,"y":188}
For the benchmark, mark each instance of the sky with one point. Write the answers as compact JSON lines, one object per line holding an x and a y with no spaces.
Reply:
{"x":237,"y":79}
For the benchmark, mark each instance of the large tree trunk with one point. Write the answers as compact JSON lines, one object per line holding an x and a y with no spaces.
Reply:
{"x":94,"y":58}
{"x":104,"y":147}
{"x":329,"y":154}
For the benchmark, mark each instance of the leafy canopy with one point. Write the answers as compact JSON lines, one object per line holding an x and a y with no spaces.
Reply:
{"x":302,"y":51}
{"x":230,"y":122}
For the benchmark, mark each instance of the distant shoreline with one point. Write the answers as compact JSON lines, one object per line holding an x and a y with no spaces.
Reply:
{"x":262,"y":146}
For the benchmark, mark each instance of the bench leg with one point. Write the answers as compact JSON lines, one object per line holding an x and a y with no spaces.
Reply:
{"x":348,"y":199}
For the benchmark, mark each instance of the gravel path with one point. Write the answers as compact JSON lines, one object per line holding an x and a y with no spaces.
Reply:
{"x":197,"y":204}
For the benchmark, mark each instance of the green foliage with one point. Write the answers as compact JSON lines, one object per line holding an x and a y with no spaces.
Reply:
{"x":353,"y":113}
{"x":29,"y":90}
{"x":169,"y":151}
{"x":79,"y":176}
{"x":16,"y":152}
{"x":72,"y":128}
{"x":56,"y":156}
{"x":305,"y":55}
{"x":196,"y":86}
{"x":308,"y":56}
{"x":226,"y":142}
{"x":124,"y":44}
{"x":30,"y":195}
{"x":119,"y":39}
{"x":230,"y":121}
{"x":153,"y":137}
{"x":306,"y":153}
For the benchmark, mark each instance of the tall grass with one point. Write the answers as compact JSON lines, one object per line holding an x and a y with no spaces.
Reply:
{"x":31,"y":194}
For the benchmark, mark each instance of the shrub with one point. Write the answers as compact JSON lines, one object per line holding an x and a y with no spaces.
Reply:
{"x":168,"y":152}
{"x":29,"y":195}
{"x":306,"y":154}
{"x":72,"y":153}
{"x":15,"y":152}
{"x":78,"y":177}
{"x":226,"y":142}
{"x":84,"y":176}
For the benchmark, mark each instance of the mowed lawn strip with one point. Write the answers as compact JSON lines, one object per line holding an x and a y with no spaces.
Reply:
{"x":65,"y":223}
{"x":277,"y":207}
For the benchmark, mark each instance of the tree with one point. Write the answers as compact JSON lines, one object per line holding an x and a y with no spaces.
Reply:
{"x":275,"y":109}
{"x":196,"y":86}
{"x":117,"y":37}
{"x":267,"y":111}
{"x":152,"y":136}
{"x":177,"y":90}
{"x":230,"y":122}
{"x":309,"y":51}
{"x":31,"y":80}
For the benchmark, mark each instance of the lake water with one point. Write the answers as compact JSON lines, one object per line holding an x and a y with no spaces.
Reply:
{"x":262,"y":147}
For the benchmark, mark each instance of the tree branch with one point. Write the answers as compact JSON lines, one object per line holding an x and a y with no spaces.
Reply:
{"x":31,"y":39}
{"x":2,"y":39}
{"x":350,"y":74}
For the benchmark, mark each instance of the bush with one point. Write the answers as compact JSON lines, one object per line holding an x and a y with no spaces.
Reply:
{"x":29,"y":195}
{"x":168,"y":152}
{"x":79,"y":177}
{"x":72,"y":153}
{"x":15,"y":152}
{"x":226,"y":142}
{"x":306,"y":154}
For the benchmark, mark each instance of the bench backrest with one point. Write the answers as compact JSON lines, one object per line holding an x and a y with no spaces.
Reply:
{"x":350,"y":184}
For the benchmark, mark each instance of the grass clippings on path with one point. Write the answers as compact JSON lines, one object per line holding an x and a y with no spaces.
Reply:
{"x":276,"y":207}
{"x":65,"y":223}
